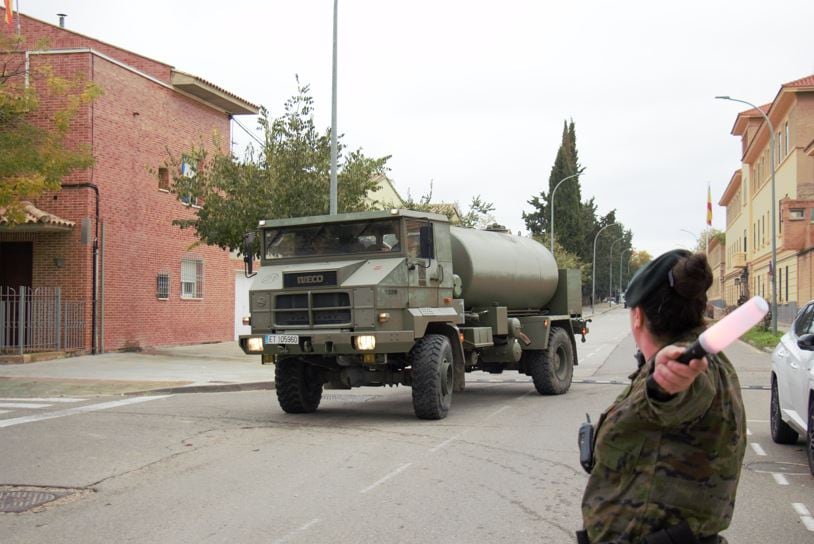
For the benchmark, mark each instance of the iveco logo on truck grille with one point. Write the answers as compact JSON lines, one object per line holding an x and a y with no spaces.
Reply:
{"x":309,"y":279}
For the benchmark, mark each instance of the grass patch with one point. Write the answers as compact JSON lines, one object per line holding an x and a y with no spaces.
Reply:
{"x":762,"y":338}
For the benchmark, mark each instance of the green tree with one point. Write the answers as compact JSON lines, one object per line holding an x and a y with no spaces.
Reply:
{"x":289,"y":177}
{"x":573,"y":219}
{"x":34,"y":152}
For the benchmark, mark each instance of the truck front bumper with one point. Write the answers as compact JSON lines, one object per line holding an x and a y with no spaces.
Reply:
{"x":327,"y":342}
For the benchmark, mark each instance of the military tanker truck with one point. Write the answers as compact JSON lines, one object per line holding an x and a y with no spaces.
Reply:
{"x":399,"y":297}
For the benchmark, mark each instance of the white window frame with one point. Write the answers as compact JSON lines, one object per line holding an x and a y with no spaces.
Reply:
{"x":191,"y":279}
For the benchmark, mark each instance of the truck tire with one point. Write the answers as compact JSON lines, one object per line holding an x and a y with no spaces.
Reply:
{"x":551,"y":369}
{"x":298,"y":387}
{"x":432,"y":376}
{"x":781,"y":432}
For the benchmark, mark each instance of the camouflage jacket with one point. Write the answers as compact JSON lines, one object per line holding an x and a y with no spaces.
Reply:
{"x":656,"y":463}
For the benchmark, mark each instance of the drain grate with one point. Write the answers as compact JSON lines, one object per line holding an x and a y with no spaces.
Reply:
{"x":16,"y":499}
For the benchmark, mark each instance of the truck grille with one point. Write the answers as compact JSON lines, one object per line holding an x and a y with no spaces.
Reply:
{"x":312,"y":309}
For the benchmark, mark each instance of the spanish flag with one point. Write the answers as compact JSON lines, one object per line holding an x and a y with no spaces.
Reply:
{"x":709,"y":206}
{"x":9,"y":13}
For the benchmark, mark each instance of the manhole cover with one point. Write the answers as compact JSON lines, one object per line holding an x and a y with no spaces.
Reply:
{"x":20,"y":501}
{"x":16,"y":499}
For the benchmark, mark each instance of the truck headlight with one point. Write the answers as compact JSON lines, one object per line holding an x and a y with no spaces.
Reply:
{"x":255,"y":344}
{"x":366,"y":342}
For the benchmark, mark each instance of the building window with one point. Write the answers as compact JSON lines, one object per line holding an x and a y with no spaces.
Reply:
{"x":188,"y":172}
{"x":164,"y":179}
{"x":796,"y":214}
{"x":786,"y":138}
{"x":162,"y":286}
{"x":191,"y":278}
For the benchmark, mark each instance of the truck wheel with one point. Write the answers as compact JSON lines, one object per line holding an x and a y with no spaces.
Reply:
{"x":781,"y":432}
{"x":551,"y":369}
{"x":298,"y":387}
{"x":432,"y":376}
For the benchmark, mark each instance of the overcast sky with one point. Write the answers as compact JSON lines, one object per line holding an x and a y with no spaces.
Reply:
{"x":473,"y":95}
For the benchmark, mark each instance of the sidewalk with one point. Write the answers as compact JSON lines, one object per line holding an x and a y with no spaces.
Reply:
{"x":202,"y":367}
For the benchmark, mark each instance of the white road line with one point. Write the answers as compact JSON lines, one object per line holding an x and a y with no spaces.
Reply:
{"x":779,"y":478}
{"x":377,"y":483}
{"x":801,"y":509}
{"x":496,"y":412}
{"x":446,"y":442}
{"x":808,"y":521}
{"x":757,"y":421}
{"x":22,"y":405}
{"x":78,"y":410}
{"x":295,"y":532}
{"x":758,"y":449}
{"x":60,"y":399}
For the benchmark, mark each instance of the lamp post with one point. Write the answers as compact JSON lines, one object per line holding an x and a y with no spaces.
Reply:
{"x":697,"y":240}
{"x":610,"y":267}
{"x":593,"y":269}
{"x":773,"y":210}
{"x":621,"y":258}
{"x":551,"y":204}
{"x":332,"y":196}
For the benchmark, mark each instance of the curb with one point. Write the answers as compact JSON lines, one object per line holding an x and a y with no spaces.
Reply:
{"x":216,"y":388}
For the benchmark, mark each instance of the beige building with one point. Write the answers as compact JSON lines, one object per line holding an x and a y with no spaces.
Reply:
{"x":717,"y":262}
{"x":748,"y":201}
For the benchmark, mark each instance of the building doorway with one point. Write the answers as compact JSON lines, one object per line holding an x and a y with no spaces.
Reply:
{"x":16,"y":264}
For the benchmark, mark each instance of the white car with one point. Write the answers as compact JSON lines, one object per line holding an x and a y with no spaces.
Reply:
{"x":792,"y":405}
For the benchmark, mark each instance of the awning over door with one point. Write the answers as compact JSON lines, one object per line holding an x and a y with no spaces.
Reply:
{"x":35,"y":220}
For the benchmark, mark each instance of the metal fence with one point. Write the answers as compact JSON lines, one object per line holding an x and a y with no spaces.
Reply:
{"x":39,"y":320}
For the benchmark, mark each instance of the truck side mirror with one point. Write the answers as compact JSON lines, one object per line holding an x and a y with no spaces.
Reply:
{"x":248,"y":254}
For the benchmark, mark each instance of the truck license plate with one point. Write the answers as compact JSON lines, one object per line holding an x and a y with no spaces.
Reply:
{"x":282,"y":339}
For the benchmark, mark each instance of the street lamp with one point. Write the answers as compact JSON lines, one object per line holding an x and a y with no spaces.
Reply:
{"x":610,"y":267}
{"x":773,"y":210}
{"x":551,"y":204}
{"x":621,"y":258}
{"x":593,"y":269}
{"x":332,"y":195}
{"x":697,"y":239}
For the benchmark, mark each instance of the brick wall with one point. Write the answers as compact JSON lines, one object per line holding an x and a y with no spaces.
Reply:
{"x":131,"y":129}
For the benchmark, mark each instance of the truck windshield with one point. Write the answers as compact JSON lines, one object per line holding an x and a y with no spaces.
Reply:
{"x":376,"y":236}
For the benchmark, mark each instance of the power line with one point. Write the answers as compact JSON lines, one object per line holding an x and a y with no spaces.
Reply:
{"x":255,"y":138}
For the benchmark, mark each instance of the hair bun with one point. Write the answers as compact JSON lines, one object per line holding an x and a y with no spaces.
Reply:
{"x":692,"y":276}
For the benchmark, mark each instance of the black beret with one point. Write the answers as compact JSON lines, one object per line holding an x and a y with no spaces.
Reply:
{"x":656,"y":273}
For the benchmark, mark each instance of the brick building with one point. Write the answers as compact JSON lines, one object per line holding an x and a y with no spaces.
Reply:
{"x":748,"y":202}
{"x":107,"y":236}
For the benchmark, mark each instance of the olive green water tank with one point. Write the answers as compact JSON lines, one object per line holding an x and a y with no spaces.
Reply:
{"x":497,"y":268}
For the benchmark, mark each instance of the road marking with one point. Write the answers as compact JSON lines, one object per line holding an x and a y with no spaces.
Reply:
{"x":377,"y":483}
{"x":295,"y":532}
{"x":78,"y":410}
{"x":779,"y":478}
{"x":758,"y":449}
{"x":60,"y":399}
{"x":801,"y":509}
{"x":757,"y":421}
{"x":446,"y":442}
{"x":496,"y":412}
{"x":22,"y":405}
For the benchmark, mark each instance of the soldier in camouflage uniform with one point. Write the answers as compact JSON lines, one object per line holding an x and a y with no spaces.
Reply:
{"x":668,"y":452}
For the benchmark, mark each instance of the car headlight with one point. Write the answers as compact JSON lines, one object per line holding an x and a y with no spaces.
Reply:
{"x":255,"y":344}
{"x":365,"y":342}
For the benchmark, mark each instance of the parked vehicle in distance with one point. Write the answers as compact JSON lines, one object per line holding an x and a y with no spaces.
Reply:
{"x":792,"y":403}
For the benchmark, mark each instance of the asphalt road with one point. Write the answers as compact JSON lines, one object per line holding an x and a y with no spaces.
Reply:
{"x":215,"y":467}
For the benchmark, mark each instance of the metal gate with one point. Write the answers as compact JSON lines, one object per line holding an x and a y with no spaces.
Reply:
{"x":39,"y":320}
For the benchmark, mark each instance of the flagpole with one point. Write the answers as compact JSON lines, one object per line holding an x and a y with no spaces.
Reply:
{"x":18,"y":17}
